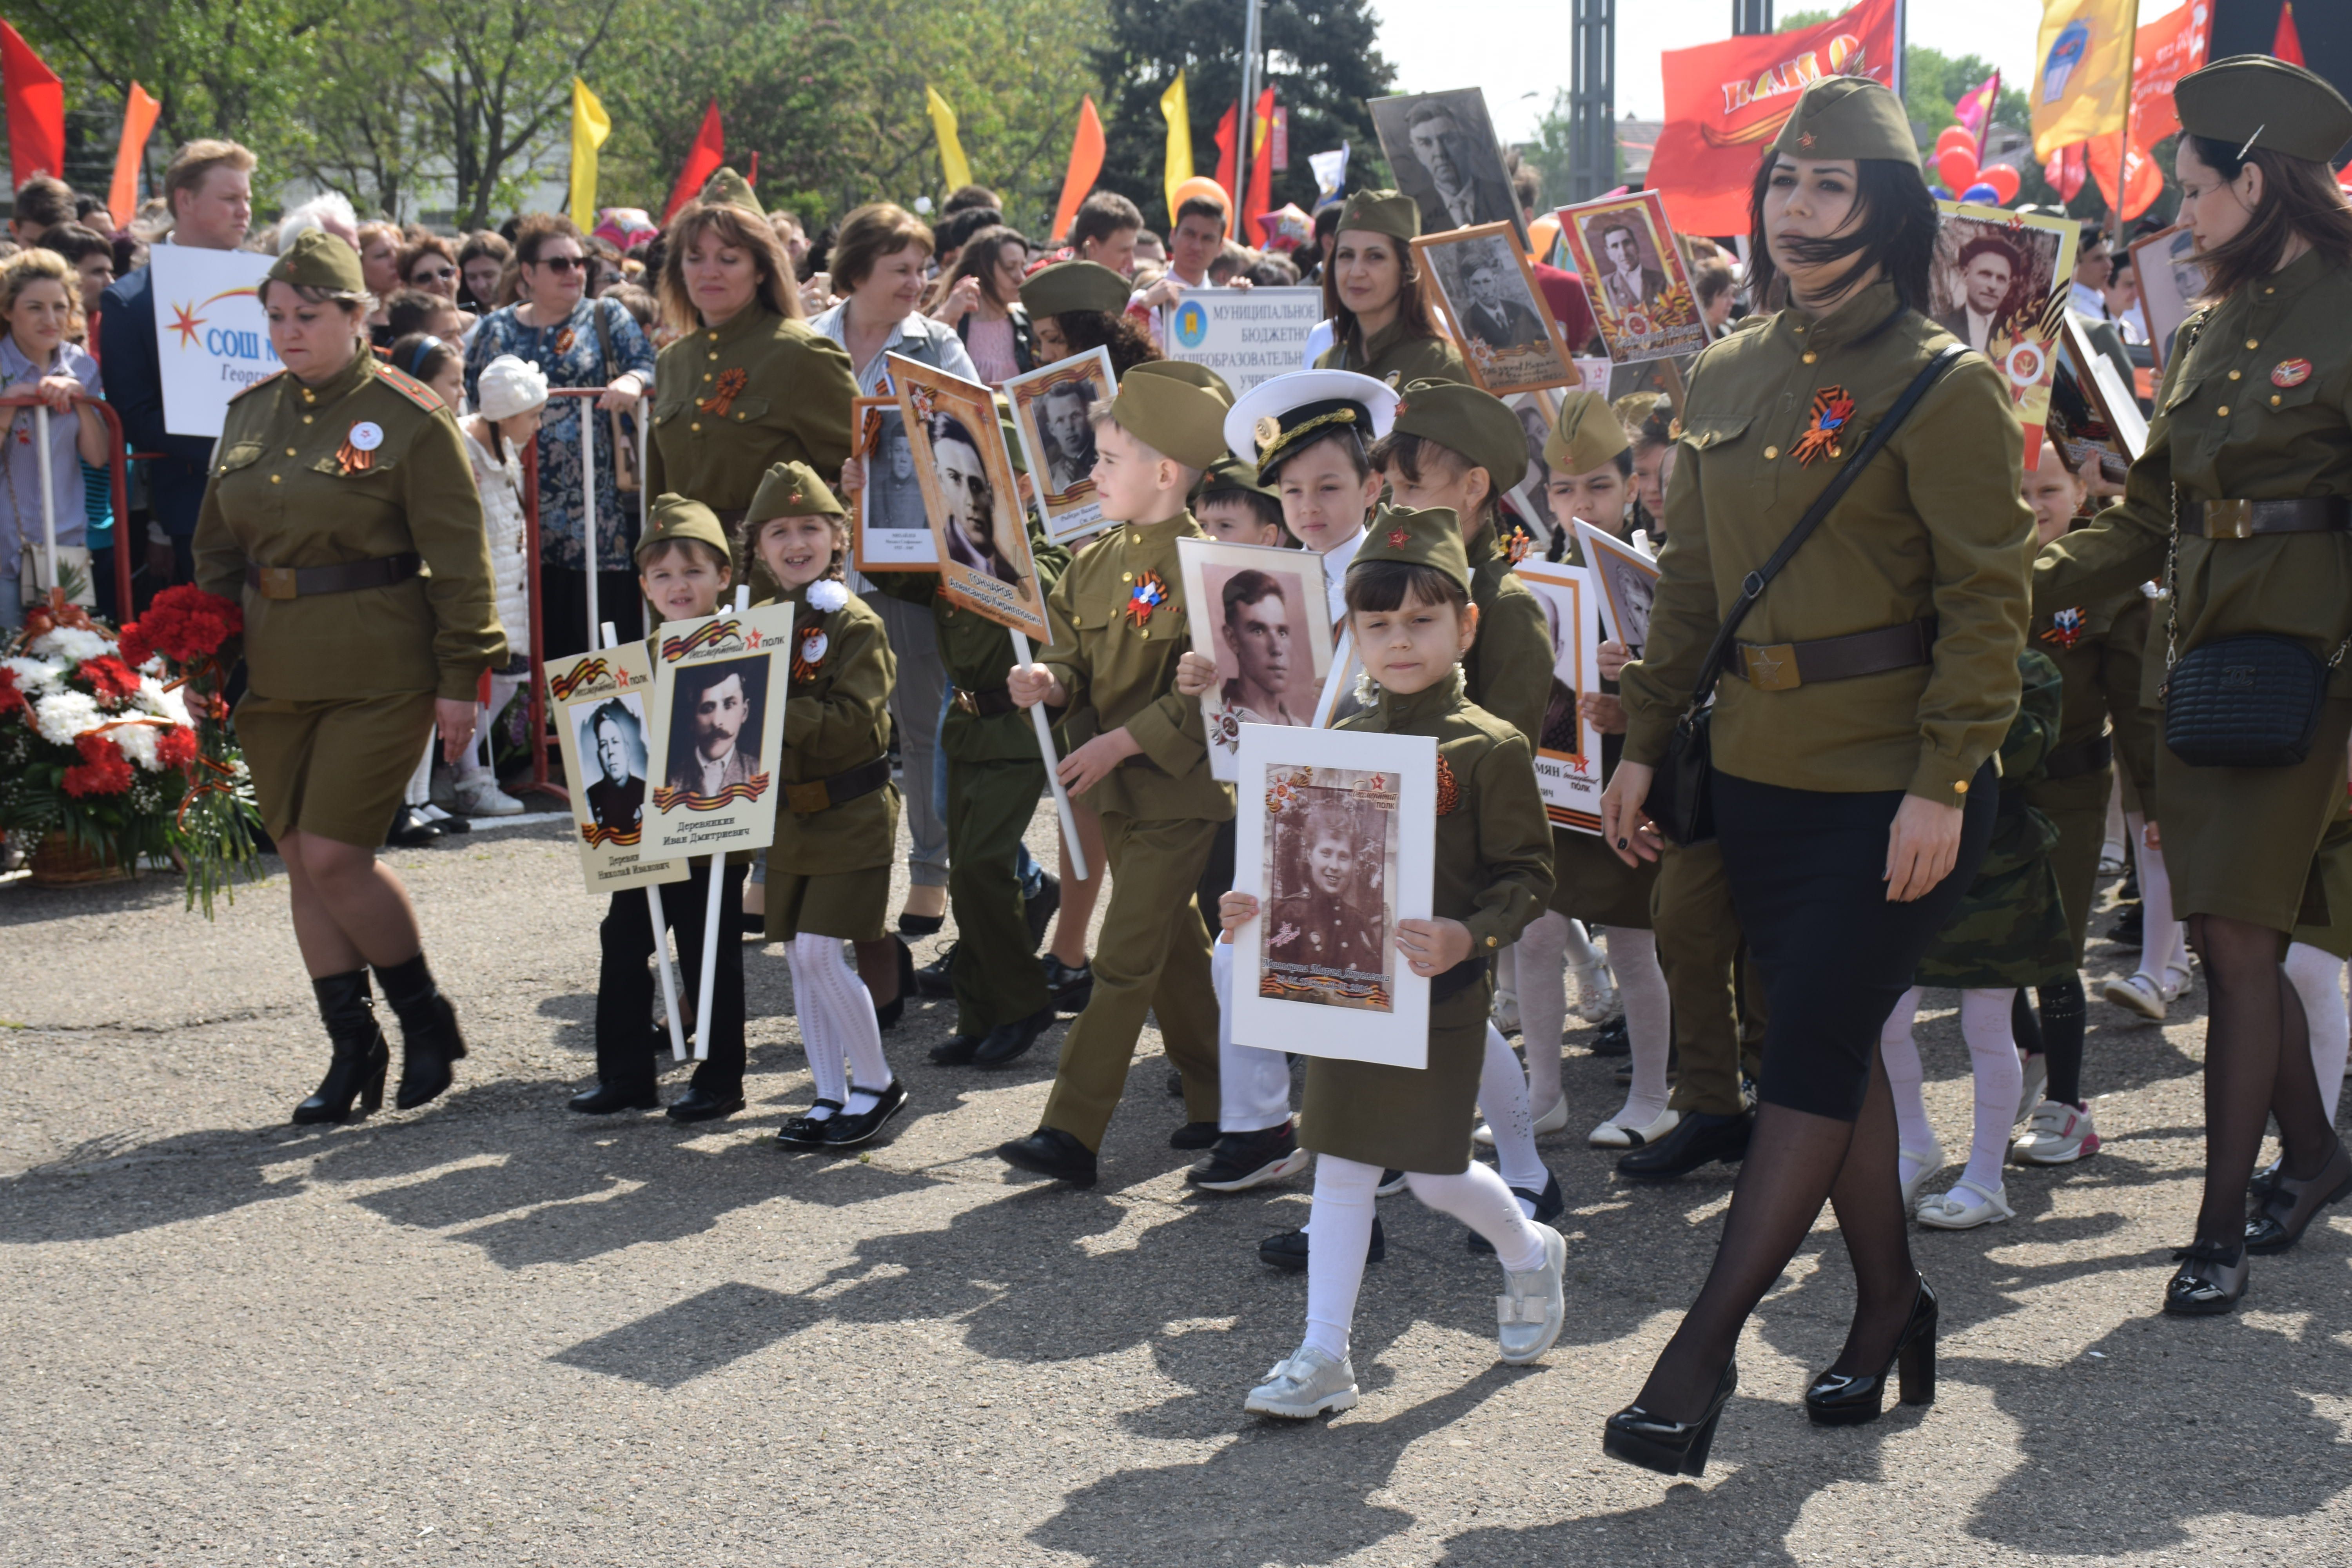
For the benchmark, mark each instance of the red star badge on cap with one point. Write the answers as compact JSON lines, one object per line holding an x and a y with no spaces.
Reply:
{"x":1396,"y":538}
{"x":1804,"y":139}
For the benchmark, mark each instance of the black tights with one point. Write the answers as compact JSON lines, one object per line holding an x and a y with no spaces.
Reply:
{"x":2257,"y":1067}
{"x":2055,"y":1034}
{"x":1795,"y":1160}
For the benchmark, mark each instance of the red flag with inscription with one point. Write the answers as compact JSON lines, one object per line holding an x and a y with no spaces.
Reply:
{"x":1724,"y":102}
{"x":2162,"y":53}
{"x":36,"y":111}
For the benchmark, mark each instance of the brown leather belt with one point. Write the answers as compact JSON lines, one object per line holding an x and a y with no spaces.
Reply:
{"x":822,"y":794}
{"x":2082,"y":757}
{"x":2245,"y":518}
{"x":986,"y":704}
{"x":1785,"y":666}
{"x":343,"y":577}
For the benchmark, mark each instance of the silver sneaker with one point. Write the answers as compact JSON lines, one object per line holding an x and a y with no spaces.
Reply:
{"x":1533,"y":1306}
{"x":2035,"y":1080}
{"x":1309,"y":1384}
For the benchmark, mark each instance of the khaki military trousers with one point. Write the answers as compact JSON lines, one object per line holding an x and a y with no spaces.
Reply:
{"x":997,"y":980}
{"x":1152,"y":956}
{"x":1718,"y":1003}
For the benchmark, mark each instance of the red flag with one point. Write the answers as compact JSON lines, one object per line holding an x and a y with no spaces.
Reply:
{"x":752,"y":176}
{"x":1974,"y":111}
{"x":1727,"y":101}
{"x":137,"y":121}
{"x":1227,"y":139}
{"x":2162,"y":53}
{"x":1086,"y":163}
{"x":2287,"y":43}
{"x":1261,"y":163}
{"x":702,"y":161}
{"x":36,"y":109}
{"x":2067,"y":171}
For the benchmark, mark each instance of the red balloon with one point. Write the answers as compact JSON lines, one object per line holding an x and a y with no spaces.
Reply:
{"x":2002,"y":179}
{"x":1955,"y":136}
{"x":1957,"y":167}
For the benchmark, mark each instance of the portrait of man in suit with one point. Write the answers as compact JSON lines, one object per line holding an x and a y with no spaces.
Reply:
{"x":714,"y":725}
{"x":1069,"y":434}
{"x":1626,"y":282}
{"x":1991,"y":273}
{"x":615,"y":735}
{"x":1446,"y":159}
{"x":1495,"y":313}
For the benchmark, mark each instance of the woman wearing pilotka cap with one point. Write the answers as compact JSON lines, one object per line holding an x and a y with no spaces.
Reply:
{"x":2248,"y":467}
{"x":1854,"y":720}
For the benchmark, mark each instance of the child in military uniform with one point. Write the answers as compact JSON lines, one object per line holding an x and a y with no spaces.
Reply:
{"x":1234,"y":507}
{"x":1409,"y":606}
{"x":683,"y":570}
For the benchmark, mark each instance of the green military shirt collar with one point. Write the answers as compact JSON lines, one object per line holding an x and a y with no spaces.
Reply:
{"x":1850,"y":323}
{"x":1165,"y":533}
{"x":1482,"y":546}
{"x":753,"y":320}
{"x":1371,"y":350}
{"x":1408,"y":715}
{"x":335,"y":388}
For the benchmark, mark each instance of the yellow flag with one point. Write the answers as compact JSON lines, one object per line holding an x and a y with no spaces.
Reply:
{"x":589,"y":126}
{"x":1178,"y":115}
{"x":943,"y":121}
{"x":2084,"y":87}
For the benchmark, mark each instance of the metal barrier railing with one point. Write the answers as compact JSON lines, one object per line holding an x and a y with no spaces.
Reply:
{"x":117,"y":468}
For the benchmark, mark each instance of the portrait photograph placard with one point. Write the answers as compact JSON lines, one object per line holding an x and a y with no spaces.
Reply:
{"x":1442,"y":149}
{"x":1634,"y":277}
{"x":970,"y":490}
{"x":2171,"y":284}
{"x":2093,"y":417}
{"x":1567,"y":752}
{"x":598,"y":704}
{"x":894,"y":527}
{"x":1261,"y":613}
{"x":1509,"y":340}
{"x":1998,"y":284}
{"x":717,"y":725}
{"x":1049,"y":412}
{"x":1627,"y":577}
{"x":1335,"y":836}
{"x":1531,"y":497}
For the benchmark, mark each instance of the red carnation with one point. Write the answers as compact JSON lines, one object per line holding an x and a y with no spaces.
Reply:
{"x":185,"y":624}
{"x":135,"y":647}
{"x":12,"y":696}
{"x":103,"y":770}
{"x":176,"y":748}
{"x":110,"y":681}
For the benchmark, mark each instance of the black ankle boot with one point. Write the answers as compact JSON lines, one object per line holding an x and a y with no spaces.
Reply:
{"x":429,"y":1039}
{"x":360,"y":1054}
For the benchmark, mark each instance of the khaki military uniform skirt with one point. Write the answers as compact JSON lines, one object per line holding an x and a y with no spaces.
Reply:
{"x":2243,"y":842}
{"x":1590,"y":884}
{"x":853,"y":904}
{"x":1398,"y":1117}
{"x":2326,"y":920}
{"x":338,"y":769}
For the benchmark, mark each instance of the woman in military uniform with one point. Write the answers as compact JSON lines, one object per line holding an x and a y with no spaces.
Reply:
{"x":1854,"y":725}
{"x":1377,"y":299}
{"x":2247,"y":478}
{"x":343,"y":513}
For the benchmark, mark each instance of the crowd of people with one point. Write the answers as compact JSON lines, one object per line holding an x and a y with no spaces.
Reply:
{"x":1837,"y":771}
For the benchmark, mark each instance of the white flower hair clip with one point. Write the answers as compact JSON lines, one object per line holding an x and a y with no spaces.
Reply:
{"x":827,"y":594}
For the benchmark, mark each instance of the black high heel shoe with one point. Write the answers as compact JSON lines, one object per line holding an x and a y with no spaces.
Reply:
{"x":2289,"y":1207}
{"x":362,"y":1053}
{"x":1849,"y":1399}
{"x":1669,"y":1448}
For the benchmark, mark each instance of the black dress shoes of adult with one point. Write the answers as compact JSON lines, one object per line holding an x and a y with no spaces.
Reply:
{"x":412,"y":829}
{"x":955,"y":1051}
{"x":1549,"y":1206}
{"x":430,"y":1042}
{"x":702,"y":1105}
{"x":937,"y":978}
{"x":2290,"y":1205}
{"x":1849,"y":1399}
{"x":1050,"y":1152}
{"x":607,"y":1098}
{"x":1194,"y":1135}
{"x":1287,"y":1250}
{"x":1697,"y":1140}
{"x":1670,"y":1448}
{"x":2212,"y":1279}
{"x":847,"y":1129}
{"x":1008,"y":1042}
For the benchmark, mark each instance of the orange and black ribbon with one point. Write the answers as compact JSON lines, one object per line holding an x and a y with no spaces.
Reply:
{"x":350,"y":461}
{"x":666,"y":799}
{"x":730,"y":387}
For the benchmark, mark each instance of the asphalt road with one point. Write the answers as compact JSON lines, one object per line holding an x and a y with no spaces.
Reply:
{"x":491,"y":1331}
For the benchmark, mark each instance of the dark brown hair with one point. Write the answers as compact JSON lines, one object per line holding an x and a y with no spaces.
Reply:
{"x":1412,"y":293}
{"x":2299,"y":197}
{"x":1393,"y":585}
{"x":417,"y":250}
{"x":874,"y":231}
{"x":979,"y":256}
{"x":1128,"y":346}
{"x":1408,"y":454}
{"x":731,"y":225}
{"x":1892,"y":228}
{"x":536,"y":229}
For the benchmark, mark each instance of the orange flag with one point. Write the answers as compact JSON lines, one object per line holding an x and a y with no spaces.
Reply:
{"x":2164,"y":51}
{"x":36,"y":109}
{"x":1085,"y":163}
{"x":137,"y":122}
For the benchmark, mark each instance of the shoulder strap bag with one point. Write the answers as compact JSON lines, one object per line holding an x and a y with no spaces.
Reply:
{"x":1680,"y":800}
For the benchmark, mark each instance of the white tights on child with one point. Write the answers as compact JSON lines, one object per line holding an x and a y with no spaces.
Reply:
{"x":2162,"y":940}
{"x":2000,"y":1079}
{"x":1341,"y":1223}
{"x":837,"y":1025}
{"x":1649,"y":1020}
{"x":1543,"y":1005}
{"x":2317,"y":976}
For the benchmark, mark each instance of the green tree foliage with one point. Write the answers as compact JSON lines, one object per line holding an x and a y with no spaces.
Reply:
{"x":1321,"y":62}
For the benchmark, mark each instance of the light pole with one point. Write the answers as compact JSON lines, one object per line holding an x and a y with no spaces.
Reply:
{"x":1245,"y":119}
{"x":1593,"y":99}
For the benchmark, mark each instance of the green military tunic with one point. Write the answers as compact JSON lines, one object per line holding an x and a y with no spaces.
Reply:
{"x":2011,"y":926}
{"x":994,"y":777}
{"x":2255,"y":404}
{"x":365,"y":465}
{"x":1119,"y":624}
{"x":1493,"y":873}
{"x":1390,"y":356}
{"x":829,"y":866}
{"x":1932,"y":529}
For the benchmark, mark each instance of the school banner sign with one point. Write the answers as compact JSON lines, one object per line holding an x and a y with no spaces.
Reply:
{"x":211,"y":339}
{"x":1246,"y":335}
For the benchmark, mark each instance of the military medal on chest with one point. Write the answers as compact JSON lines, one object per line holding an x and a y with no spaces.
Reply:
{"x":809,"y":649}
{"x":1149,"y":593}
{"x":2066,"y":628}
{"x":357,"y":454}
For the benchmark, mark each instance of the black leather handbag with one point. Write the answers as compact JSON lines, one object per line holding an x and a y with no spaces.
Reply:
{"x":1681,"y":799}
{"x":2248,"y":701}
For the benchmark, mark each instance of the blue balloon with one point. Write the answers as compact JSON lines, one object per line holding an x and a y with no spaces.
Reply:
{"x":1940,"y":193}
{"x":1981,"y":195}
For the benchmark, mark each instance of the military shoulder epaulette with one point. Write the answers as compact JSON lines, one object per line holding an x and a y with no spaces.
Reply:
{"x":257,"y":387}
{"x":408,"y":386}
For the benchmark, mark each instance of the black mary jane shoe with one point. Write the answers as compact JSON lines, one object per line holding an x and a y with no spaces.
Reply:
{"x":2290,"y":1207}
{"x":1849,"y":1399}
{"x":2265,"y":1181}
{"x":412,"y":829}
{"x":701,"y":1105}
{"x":847,"y":1129}
{"x":806,"y":1132}
{"x":1287,"y":1249}
{"x":607,"y":1098}
{"x":886,"y":1016}
{"x":955,"y":1051}
{"x":1050,"y":1152}
{"x":1549,"y":1206}
{"x":2211,"y":1280}
{"x":356,"y":1073}
{"x":1669,"y":1448}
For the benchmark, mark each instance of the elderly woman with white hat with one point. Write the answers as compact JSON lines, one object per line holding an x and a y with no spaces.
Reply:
{"x":512,"y":393}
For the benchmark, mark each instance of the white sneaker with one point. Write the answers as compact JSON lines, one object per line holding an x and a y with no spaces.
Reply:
{"x":2110,"y":858}
{"x":2140,"y":994}
{"x":2059,"y":1135}
{"x":1533,"y":1306}
{"x":1624,"y":1135}
{"x":1928,"y":1160}
{"x":1552,"y":1121}
{"x":480,"y":795}
{"x":1304,"y":1388}
{"x":1506,"y":1012}
{"x":2029,"y":1093}
{"x":1965,"y":1206}
{"x":1596,"y":990}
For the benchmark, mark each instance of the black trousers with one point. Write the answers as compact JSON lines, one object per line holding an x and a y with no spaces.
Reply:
{"x":1807,"y":872}
{"x":628,"y":992}
{"x":563,"y":610}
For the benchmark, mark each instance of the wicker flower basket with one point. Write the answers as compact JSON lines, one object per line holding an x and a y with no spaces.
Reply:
{"x":58,"y":862}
